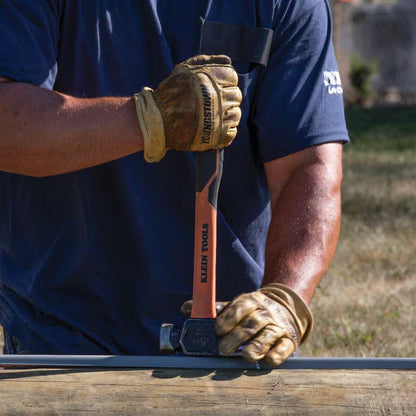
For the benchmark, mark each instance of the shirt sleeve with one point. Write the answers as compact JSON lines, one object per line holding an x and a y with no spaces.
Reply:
{"x":29,"y":35}
{"x":300,"y":102}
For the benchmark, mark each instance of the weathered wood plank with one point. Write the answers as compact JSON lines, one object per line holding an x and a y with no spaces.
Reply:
{"x":206,"y":392}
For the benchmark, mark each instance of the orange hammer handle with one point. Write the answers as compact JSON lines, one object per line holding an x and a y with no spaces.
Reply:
{"x":208,"y":176}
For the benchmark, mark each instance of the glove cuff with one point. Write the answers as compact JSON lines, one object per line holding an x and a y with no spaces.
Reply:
{"x":151,"y":125}
{"x":294,"y":304}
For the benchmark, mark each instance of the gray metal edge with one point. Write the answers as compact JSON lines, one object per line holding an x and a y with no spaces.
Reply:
{"x":130,"y":361}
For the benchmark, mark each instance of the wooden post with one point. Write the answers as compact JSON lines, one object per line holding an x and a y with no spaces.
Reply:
{"x":206,"y":392}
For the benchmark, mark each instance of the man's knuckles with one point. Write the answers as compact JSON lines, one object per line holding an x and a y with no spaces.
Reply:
{"x":254,"y":351}
{"x":221,"y":72}
{"x":252,"y":305}
{"x":259,"y":346}
{"x":202,"y":60}
{"x":280,"y":352}
{"x":231,"y":97}
{"x":228,"y":137}
{"x":238,"y":336}
{"x":224,"y":76}
{"x":232,"y":116}
{"x":237,"y":310}
{"x":270,"y":335}
{"x":245,"y":331}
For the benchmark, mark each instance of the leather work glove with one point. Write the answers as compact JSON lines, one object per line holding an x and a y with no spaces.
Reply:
{"x":195,"y":108}
{"x":273,"y":321}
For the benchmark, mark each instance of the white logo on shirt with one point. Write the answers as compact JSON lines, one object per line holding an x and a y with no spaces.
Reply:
{"x":332,"y":81}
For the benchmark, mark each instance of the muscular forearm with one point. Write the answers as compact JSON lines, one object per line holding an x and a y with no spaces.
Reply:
{"x":305,"y":200}
{"x":305,"y":226}
{"x":45,"y":133}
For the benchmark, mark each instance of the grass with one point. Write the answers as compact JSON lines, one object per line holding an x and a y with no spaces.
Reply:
{"x":366,"y":305}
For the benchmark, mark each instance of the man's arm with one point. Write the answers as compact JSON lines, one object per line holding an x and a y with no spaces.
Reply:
{"x":45,"y":133}
{"x":306,"y":213}
{"x":305,"y":201}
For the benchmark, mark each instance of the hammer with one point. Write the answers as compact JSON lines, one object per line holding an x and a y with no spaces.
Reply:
{"x":197,"y":336}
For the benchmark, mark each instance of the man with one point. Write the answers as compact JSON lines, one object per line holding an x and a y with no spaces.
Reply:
{"x":96,"y":242}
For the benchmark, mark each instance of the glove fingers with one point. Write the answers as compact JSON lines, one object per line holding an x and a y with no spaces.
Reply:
{"x":227,"y":137}
{"x":232,"y":117}
{"x":186,"y":308}
{"x":220,"y":306}
{"x":260,"y":346}
{"x":208,"y":59}
{"x":244,"y":332}
{"x":283,"y":349}
{"x":231,"y":97}
{"x":236,"y":311}
{"x":224,"y":76}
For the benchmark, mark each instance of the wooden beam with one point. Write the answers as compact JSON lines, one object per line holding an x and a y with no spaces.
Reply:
{"x":203,"y":392}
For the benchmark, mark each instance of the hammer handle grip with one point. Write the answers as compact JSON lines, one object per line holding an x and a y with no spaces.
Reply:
{"x":208,"y":176}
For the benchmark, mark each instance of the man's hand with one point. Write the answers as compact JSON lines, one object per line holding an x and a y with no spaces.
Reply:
{"x":273,"y":321}
{"x":196,"y":108}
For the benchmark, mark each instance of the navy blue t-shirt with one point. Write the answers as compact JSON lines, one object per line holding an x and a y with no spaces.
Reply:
{"x":94,"y":261}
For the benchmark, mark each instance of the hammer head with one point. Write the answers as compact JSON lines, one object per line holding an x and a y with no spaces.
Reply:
{"x":195,"y":337}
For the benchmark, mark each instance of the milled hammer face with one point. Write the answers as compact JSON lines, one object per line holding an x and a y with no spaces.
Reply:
{"x":196,"y":337}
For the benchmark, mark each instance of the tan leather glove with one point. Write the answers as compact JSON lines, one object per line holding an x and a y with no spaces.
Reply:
{"x":273,"y":321}
{"x":195,"y":108}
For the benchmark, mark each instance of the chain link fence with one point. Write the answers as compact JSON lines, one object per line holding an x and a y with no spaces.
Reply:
{"x":378,"y":36}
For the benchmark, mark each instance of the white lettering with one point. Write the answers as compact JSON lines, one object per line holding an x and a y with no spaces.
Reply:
{"x":332,"y":80}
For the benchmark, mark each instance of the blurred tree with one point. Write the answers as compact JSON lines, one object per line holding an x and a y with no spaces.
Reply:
{"x":361,"y":73}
